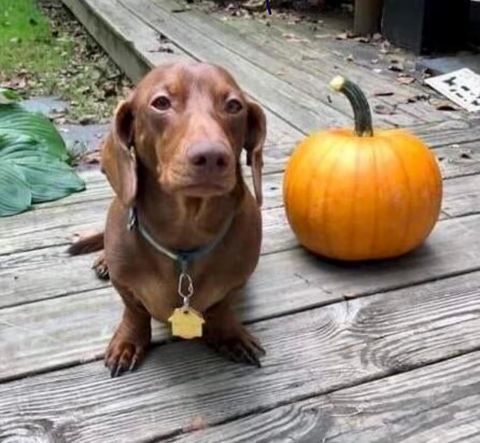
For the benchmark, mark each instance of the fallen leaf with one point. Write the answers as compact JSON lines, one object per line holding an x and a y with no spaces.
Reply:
{"x":294,"y":38}
{"x":196,"y":424}
{"x":384,"y":109}
{"x":443,"y":105}
{"x":91,"y":158}
{"x":345,"y":35}
{"x":383,"y":93}
{"x":405,"y":79}
{"x":254,"y":5}
{"x":87,"y":119}
{"x":362,"y":39}
{"x":397,"y":67}
{"x":417,"y":98}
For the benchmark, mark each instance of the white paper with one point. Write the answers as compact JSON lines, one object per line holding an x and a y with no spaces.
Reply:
{"x":461,"y":87}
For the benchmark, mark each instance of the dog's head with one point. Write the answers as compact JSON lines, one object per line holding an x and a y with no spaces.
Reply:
{"x":185,"y":125}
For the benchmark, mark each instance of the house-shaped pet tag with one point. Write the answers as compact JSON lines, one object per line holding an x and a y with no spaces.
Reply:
{"x":186,"y":323}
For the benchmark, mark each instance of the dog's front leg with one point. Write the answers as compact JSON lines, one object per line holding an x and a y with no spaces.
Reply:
{"x":131,"y":338}
{"x":225,"y":334}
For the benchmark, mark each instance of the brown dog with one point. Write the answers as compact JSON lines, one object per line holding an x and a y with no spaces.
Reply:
{"x":182,"y":208}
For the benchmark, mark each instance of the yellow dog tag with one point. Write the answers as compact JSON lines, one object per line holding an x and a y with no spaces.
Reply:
{"x":186,"y":323}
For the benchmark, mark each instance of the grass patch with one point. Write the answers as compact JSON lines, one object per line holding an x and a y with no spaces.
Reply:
{"x":26,"y":39}
{"x":45,"y":51}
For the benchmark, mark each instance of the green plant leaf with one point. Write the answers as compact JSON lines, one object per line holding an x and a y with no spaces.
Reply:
{"x":49,"y":179}
{"x":8,"y":96}
{"x":45,"y":177}
{"x":16,"y":120}
{"x":13,"y":146}
{"x":15,"y":195}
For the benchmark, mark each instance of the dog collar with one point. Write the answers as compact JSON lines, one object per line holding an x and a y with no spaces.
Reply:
{"x":186,"y":322}
{"x":182,"y":257}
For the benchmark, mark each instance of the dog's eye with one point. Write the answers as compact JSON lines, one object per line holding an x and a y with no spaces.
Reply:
{"x":233,"y":106}
{"x":162,"y":103}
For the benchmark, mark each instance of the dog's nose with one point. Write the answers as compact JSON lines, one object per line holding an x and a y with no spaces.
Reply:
{"x":208,"y":156}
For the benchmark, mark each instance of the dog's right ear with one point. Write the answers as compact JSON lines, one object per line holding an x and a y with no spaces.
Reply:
{"x":118,"y":155}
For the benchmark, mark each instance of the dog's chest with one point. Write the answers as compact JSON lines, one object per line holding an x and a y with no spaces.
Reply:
{"x":159,"y":292}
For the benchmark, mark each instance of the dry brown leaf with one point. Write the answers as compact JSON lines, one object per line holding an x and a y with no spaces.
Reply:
{"x":383,"y":93}
{"x":405,"y":79}
{"x":384,"y":109}
{"x":91,"y":158}
{"x":196,"y":424}
{"x":443,"y":105}
{"x":362,"y":39}
{"x":294,"y":38}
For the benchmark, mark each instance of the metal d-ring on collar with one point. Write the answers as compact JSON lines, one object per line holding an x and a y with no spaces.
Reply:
{"x":183,"y":258}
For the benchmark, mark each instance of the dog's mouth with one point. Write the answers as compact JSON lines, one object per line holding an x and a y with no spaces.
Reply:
{"x":204,"y":189}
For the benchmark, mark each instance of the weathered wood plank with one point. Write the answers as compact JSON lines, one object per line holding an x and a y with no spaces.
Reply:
{"x":54,"y":224}
{"x":318,"y":49}
{"x":274,"y":57}
{"x":135,"y":48}
{"x":268,"y":48}
{"x":297,"y":107}
{"x":284,"y":282}
{"x":23,"y":271}
{"x":449,"y":132}
{"x":459,"y":159}
{"x":309,"y":354}
{"x":434,"y":404}
{"x":462,"y":198}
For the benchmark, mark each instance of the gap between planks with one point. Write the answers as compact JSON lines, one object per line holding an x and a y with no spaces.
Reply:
{"x":291,"y":281}
{"x":351,"y":413}
{"x":325,"y":349}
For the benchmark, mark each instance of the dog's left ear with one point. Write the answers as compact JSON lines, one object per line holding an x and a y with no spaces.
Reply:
{"x":254,"y":141}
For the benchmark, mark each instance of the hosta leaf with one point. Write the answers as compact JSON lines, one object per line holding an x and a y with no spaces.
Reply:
{"x":49,"y":179}
{"x":14,"y":146}
{"x":15,"y":195}
{"x":45,"y":176}
{"x":15,"y":120}
{"x":8,"y":96}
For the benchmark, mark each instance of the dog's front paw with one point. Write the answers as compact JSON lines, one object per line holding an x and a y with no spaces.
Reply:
{"x":124,"y":355}
{"x":239,"y":346}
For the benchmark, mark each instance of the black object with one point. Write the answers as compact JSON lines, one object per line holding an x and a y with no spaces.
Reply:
{"x":426,"y":26}
{"x":474,"y":36}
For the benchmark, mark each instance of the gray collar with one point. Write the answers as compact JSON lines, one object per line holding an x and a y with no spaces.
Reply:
{"x":182,"y":257}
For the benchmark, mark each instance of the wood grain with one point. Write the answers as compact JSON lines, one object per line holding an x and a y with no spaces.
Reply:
{"x":36,"y":229}
{"x":55,"y":224}
{"x":435,"y":404}
{"x":307,"y":66}
{"x":25,"y":273}
{"x":283,"y":283}
{"x":135,"y":48}
{"x":304,"y":112}
{"x":309,"y":354}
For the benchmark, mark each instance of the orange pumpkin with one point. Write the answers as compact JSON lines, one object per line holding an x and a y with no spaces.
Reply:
{"x":359,"y":195}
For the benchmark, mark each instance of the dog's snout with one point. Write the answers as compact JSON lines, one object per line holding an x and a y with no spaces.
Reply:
{"x":208,"y":156}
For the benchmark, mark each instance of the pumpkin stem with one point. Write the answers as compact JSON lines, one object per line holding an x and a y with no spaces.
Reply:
{"x":361,"y":108}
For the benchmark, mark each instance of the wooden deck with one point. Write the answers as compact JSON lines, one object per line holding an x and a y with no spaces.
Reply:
{"x":385,"y":352}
